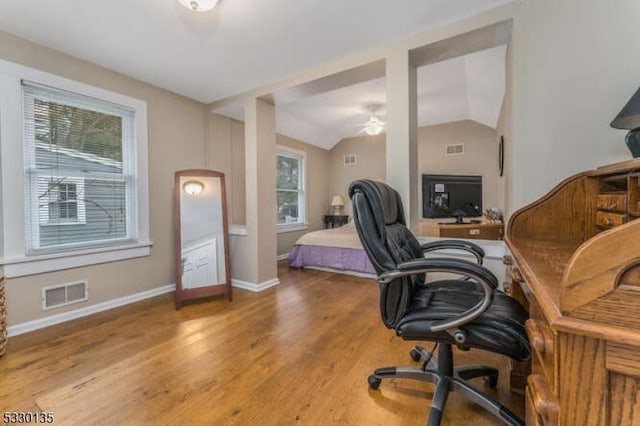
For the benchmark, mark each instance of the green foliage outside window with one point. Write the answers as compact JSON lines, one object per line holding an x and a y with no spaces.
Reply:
{"x":79,"y":129}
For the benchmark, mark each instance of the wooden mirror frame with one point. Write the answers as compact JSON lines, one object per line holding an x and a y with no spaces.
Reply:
{"x":224,"y":288}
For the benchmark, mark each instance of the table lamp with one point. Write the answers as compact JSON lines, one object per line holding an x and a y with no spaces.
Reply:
{"x":629,"y":118}
{"x":337,"y":203}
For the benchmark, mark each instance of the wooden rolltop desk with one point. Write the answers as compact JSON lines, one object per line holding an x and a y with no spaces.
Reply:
{"x":576,"y":263}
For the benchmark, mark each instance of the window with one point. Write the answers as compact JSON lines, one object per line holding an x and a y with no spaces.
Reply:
{"x":77,"y":170}
{"x":74,"y":173}
{"x":290,"y":208}
{"x":61,"y":201}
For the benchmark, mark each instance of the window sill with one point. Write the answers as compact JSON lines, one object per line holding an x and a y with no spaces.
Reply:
{"x":282,"y":229}
{"x":30,"y":265}
{"x":238,"y":230}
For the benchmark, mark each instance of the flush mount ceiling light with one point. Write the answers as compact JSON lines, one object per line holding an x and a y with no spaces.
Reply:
{"x":193,"y":187}
{"x":199,"y":5}
{"x":374,"y":126}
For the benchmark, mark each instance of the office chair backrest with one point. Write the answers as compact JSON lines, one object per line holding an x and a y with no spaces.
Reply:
{"x":379,"y":219}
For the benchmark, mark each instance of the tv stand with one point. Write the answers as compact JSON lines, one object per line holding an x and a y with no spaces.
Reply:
{"x":469,"y":222}
{"x":487,"y":230}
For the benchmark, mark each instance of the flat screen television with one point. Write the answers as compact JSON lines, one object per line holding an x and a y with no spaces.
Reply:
{"x":448,"y":195}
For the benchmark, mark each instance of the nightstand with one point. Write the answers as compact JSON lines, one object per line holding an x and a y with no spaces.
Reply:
{"x":335,"y":220}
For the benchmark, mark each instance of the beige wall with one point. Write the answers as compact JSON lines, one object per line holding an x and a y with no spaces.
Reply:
{"x":176,"y":141}
{"x":574,"y":67}
{"x":259,"y":263}
{"x":480,"y":158}
{"x":226,"y":140}
{"x":370,"y":153}
{"x":480,"y":155}
{"x":225,"y":153}
{"x":504,"y":129}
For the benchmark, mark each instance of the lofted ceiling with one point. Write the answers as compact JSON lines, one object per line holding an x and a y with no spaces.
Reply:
{"x":466,"y":87}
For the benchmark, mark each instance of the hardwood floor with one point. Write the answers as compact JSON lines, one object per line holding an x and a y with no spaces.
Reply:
{"x":299,"y":353}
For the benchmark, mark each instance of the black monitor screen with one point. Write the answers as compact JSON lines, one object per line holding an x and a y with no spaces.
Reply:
{"x":449,"y":195}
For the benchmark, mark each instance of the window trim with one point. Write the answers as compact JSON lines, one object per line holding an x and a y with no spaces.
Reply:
{"x":301,"y":224}
{"x":16,"y":262}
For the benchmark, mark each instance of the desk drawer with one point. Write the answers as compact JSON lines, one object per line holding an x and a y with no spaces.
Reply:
{"x":612,"y":202}
{"x":479,"y":232}
{"x":543,"y":345}
{"x":610,"y":219}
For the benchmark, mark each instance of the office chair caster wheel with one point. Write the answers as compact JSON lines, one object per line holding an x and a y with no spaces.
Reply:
{"x":374,"y":382}
{"x":491,"y":381}
{"x":415,"y":355}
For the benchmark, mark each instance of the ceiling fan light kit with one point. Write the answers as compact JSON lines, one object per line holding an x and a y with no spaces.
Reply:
{"x":374,"y":126}
{"x":199,"y":5}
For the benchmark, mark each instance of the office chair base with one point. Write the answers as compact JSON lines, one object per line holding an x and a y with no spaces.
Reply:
{"x":489,"y":374}
{"x":449,"y":379}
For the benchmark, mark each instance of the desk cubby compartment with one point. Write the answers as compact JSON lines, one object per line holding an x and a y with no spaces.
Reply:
{"x":613,"y":184}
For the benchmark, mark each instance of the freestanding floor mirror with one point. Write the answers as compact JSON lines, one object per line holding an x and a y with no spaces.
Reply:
{"x":201,"y":235}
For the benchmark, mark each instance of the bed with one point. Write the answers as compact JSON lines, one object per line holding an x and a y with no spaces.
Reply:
{"x":337,"y":249}
{"x":340,"y":250}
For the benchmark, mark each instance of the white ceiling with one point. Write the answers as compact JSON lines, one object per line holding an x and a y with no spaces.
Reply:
{"x":240,"y":45}
{"x":467,"y":87}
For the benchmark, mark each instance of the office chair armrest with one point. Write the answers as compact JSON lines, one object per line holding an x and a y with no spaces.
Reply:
{"x":484,"y":277}
{"x":468,"y":246}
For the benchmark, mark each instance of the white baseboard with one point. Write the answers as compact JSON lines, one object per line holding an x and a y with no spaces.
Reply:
{"x":245,"y":285}
{"x":282,"y":256}
{"x":25,"y":327}
{"x":28,"y":326}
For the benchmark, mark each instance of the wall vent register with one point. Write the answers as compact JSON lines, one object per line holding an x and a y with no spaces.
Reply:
{"x":455,"y":149}
{"x":64,"y":294}
{"x":350,"y":160}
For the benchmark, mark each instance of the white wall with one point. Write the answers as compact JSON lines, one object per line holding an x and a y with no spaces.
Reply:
{"x":575,"y":64}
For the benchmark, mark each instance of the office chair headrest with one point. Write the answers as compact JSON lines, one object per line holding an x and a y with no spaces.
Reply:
{"x":390,"y":203}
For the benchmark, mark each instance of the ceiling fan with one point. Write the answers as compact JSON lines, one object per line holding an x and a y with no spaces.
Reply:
{"x":375,"y":125}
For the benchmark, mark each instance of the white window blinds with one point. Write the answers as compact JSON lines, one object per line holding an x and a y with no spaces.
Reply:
{"x":289,"y":189}
{"x":79,"y":170}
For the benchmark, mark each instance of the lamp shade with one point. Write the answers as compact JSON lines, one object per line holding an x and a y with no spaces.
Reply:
{"x":337,"y":201}
{"x":629,"y":117}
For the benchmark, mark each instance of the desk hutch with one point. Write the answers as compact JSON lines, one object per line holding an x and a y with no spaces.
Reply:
{"x":576,"y":264}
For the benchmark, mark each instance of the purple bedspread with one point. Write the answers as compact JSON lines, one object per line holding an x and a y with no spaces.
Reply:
{"x":348,"y":259}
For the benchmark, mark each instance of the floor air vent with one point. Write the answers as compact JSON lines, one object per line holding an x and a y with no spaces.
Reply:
{"x":65,"y":294}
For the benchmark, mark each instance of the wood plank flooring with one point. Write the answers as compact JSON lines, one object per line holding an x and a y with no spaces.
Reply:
{"x":299,"y":353}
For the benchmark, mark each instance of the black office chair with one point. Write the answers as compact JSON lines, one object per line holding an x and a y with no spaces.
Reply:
{"x":469,"y":312}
